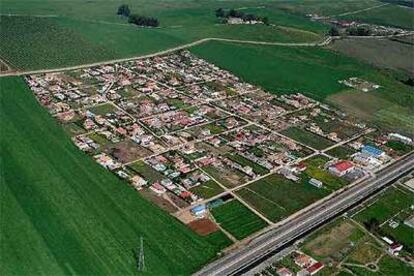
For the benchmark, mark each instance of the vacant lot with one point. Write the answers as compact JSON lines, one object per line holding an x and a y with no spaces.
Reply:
{"x":64,"y":214}
{"x":341,"y":152}
{"x":277,"y":197}
{"x":237,"y":219}
{"x":208,"y":189}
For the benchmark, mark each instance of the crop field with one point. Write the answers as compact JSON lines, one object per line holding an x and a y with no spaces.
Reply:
{"x":277,"y":197}
{"x":64,"y":214}
{"x":343,"y":246}
{"x":384,"y":53}
{"x":308,"y":138}
{"x":78,"y":32}
{"x":393,"y":205}
{"x":341,"y":152}
{"x":208,"y":189}
{"x":390,"y":15}
{"x":237,"y":219}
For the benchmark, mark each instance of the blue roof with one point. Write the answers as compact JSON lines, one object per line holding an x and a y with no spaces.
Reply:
{"x":198,"y":208}
{"x":372,"y":150}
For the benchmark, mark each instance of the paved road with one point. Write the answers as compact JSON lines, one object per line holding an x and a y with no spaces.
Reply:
{"x":279,"y":237}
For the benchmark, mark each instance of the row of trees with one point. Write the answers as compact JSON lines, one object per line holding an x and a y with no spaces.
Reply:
{"x":136,"y":19}
{"x":221,"y":13}
{"x":353,"y":31}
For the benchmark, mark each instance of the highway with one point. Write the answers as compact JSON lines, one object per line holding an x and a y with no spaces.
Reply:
{"x":276,"y":238}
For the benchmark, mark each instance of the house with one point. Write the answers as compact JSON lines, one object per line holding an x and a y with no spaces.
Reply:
{"x":395,"y":249}
{"x":234,"y":20}
{"x":313,"y":269}
{"x":341,"y":168}
{"x":284,"y":272}
{"x":303,"y":260}
{"x":372,"y":151}
{"x":316,"y":183}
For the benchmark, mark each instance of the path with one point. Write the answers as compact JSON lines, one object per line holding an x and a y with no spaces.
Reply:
{"x":361,"y":10}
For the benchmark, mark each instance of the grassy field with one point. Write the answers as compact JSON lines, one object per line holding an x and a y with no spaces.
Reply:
{"x":277,"y":197}
{"x":308,"y":138}
{"x":237,"y":219}
{"x":146,"y":171}
{"x":64,"y":214}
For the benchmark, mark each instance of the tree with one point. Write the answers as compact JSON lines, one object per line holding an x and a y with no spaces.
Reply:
{"x":333,"y":31}
{"x":220,"y":13}
{"x":265,"y":20}
{"x":143,"y":21}
{"x":123,"y":10}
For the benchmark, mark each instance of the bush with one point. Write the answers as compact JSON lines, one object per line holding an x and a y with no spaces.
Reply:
{"x":140,"y":20}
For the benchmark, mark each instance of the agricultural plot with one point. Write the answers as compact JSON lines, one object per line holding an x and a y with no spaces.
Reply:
{"x":307,"y":138}
{"x":69,"y":33}
{"x":343,"y":246}
{"x":207,"y":190}
{"x":277,"y":197}
{"x":237,"y":219}
{"x":389,"y":15}
{"x":44,"y":173}
{"x":341,"y":152}
{"x":386,"y":215}
{"x":316,"y":72}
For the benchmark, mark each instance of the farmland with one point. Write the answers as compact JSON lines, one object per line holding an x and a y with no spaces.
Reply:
{"x":49,"y":187}
{"x":391,"y":15}
{"x":277,"y":197}
{"x":237,"y":219}
{"x":307,"y":138}
{"x":68,"y":33}
{"x":392,"y":206}
{"x":316,"y":72}
{"x":384,"y":53}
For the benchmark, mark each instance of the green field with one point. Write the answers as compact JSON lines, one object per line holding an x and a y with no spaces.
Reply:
{"x":390,"y":15}
{"x":146,"y":171}
{"x":315,"y":72}
{"x":257,"y":169}
{"x":308,"y":138}
{"x":237,"y":219}
{"x":384,"y":53}
{"x":315,"y":169}
{"x":277,"y":197}
{"x":208,"y":189}
{"x":64,"y":214}
{"x":341,"y":152}
{"x":64,"y":33}
{"x":392,"y":204}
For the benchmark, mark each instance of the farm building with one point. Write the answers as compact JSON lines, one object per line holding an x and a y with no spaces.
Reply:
{"x":199,"y":210}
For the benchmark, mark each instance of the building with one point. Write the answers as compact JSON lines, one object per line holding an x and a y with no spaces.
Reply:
{"x":199,"y":210}
{"x":284,"y":272}
{"x":313,"y":269}
{"x":395,"y":249}
{"x":401,"y":138}
{"x":316,"y":183}
{"x":341,"y":168}
{"x":372,"y":151}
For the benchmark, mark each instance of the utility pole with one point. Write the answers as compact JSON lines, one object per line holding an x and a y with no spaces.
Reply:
{"x":141,"y":257}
